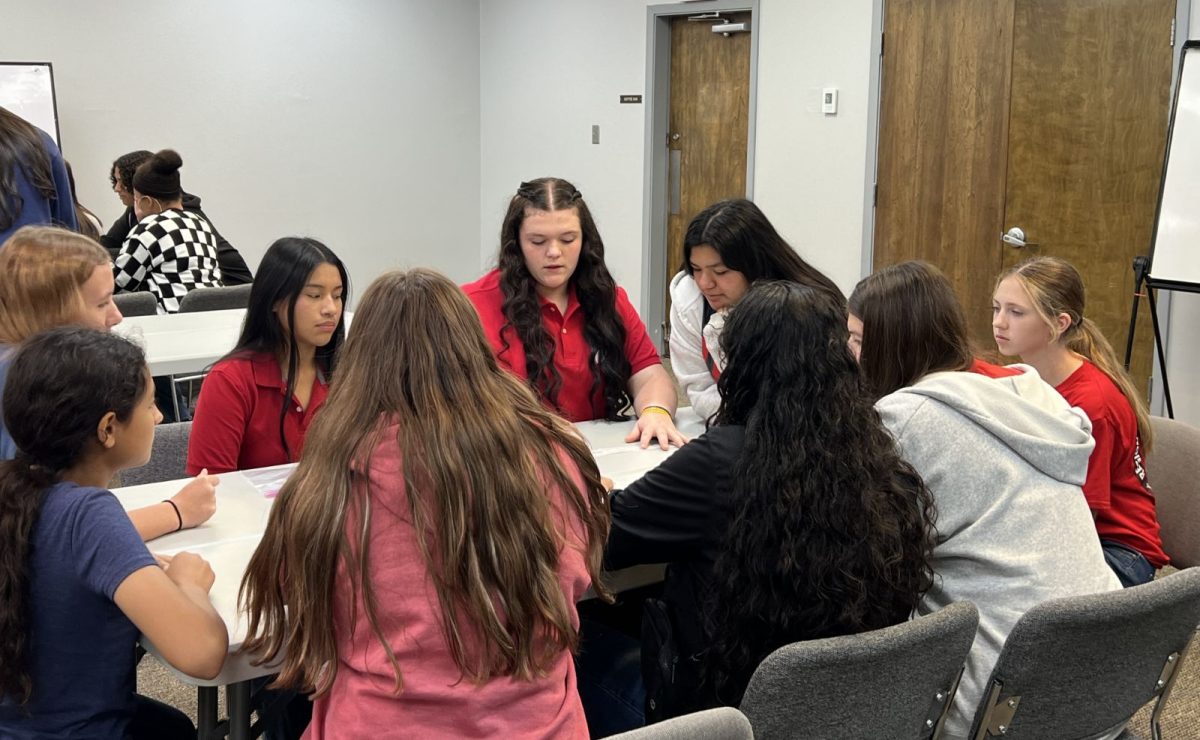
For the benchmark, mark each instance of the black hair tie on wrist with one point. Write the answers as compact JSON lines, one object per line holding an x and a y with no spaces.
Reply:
{"x":177,"y":514}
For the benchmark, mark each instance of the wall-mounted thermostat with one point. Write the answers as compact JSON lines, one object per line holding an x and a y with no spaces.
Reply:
{"x":829,"y":100}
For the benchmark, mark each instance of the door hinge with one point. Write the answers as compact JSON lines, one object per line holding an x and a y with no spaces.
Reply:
{"x":875,"y":196}
{"x":882,"y":39}
{"x":1172,"y":33}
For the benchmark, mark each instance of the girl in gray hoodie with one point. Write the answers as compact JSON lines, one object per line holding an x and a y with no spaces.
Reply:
{"x":1003,"y":457}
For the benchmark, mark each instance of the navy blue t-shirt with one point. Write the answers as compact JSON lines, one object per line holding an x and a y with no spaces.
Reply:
{"x":81,"y":646}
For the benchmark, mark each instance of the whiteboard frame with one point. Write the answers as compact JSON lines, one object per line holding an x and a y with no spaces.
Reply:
{"x":1152,"y":280}
{"x":53,"y":93}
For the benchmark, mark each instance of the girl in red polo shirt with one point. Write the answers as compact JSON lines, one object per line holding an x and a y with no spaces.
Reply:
{"x":555,"y":317}
{"x":1038,"y":314}
{"x":257,"y":403}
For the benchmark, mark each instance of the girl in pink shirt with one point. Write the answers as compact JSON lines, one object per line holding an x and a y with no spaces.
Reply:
{"x":419,"y":571}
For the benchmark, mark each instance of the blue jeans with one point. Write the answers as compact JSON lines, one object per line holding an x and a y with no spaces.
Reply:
{"x":609,"y":672}
{"x":1131,"y":566}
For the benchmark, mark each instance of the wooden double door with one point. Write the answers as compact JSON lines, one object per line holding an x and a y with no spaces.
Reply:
{"x":1045,"y":115}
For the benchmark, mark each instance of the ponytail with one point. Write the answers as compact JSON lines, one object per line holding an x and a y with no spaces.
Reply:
{"x":22,"y":489}
{"x":1056,"y":287}
{"x":1089,"y":341}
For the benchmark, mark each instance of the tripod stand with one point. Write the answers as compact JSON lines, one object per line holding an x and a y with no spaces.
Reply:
{"x":1143,"y":282}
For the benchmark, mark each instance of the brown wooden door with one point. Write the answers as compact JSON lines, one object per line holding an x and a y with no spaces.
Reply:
{"x":708,"y":124}
{"x":1090,"y":102}
{"x":1048,"y":115}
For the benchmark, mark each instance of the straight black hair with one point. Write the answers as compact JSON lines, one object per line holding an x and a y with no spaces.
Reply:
{"x":282,"y":275}
{"x":60,"y":384}
{"x":749,"y":244}
{"x":21,"y":150}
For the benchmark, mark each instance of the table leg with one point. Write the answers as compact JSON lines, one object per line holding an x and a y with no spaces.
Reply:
{"x":237,"y":701}
{"x":206,"y":712}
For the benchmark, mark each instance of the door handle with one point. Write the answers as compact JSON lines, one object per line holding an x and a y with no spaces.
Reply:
{"x":1015,"y":238}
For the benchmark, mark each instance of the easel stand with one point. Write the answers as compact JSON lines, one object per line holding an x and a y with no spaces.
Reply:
{"x":1145,"y":285}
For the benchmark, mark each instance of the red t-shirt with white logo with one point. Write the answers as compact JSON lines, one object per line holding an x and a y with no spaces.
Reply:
{"x":1116,"y":487}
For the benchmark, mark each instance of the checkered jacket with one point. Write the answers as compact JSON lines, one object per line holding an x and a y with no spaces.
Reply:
{"x":169,"y":254}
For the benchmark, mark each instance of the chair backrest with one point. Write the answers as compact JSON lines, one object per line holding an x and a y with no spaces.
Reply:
{"x":216,"y":299}
{"x":1081,"y":666}
{"x":895,"y":682}
{"x":724,"y":723}
{"x":140,"y":303}
{"x":1173,"y":469}
{"x":168,"y":457}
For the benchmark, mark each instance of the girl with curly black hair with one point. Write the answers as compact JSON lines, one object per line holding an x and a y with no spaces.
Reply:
{"x":555,"y":317}
{"x":792,"y":518}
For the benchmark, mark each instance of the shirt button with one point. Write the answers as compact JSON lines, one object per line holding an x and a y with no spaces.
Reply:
{"x":564,"y":330}
{"x":300,"y":409}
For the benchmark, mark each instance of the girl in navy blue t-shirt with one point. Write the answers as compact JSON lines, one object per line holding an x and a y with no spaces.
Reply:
{"x":77,"y":581}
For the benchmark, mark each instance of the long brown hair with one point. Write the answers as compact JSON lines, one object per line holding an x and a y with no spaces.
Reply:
{"x":913,"y":325}
{"x":42,"y":269}
{"x":479,"y":453}
{"x":1055,"y":287}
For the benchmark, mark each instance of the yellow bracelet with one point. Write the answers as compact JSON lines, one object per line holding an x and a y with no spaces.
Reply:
{"x":655,"y":408}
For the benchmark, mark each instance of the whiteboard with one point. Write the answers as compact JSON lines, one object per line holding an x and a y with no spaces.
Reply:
{"x":27,"y":89}
{"x":1175,"y":254}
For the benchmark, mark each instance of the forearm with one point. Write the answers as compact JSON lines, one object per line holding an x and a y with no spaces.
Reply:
{"x":152,"y":522}
{"x":653,"y":386}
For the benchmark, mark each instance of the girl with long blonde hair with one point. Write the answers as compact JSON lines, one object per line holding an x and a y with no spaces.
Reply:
{"x":1038,"y":313}
{"x":420,"y":568}
{"x":51,"y":277}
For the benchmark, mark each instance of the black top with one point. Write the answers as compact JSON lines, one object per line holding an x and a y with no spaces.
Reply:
{"x":678,"y":514}
{"x":234,"y":270}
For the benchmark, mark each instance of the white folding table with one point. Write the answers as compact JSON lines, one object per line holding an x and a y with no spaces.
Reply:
{"x":229,"y":538}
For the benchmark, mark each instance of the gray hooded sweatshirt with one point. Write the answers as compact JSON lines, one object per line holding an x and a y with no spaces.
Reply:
{"x":1004,"y":459}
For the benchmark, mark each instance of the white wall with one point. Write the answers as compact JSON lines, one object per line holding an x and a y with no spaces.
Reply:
{"x":355,"y":122}
{"x":550,"y":69}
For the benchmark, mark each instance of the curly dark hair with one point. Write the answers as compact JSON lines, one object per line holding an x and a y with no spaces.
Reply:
{"x":832,"y":532}
{"x":60,"y":384}
{"x":126,"y":165}
{"x":595,"y":290}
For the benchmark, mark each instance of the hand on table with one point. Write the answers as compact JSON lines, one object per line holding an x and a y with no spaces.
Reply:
{"x":188,"y":569}
{"x":197,"y":501}
{"x":657,"y":426}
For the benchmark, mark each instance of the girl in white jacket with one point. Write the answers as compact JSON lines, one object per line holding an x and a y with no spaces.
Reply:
{"x":727,"y":247}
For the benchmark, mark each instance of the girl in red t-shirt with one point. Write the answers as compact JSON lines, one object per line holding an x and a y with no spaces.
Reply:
{"x":1038,"y":313}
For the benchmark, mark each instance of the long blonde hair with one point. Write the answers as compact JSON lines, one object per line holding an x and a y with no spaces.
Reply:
{"x":42,"y":269}
{"x":480,"y":452}
{"x":1055,"y":287}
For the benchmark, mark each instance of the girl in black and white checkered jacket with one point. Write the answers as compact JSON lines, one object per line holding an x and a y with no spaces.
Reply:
{"x":170,"y":251}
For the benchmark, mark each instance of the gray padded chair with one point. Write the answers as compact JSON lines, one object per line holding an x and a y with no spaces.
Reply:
{"x":1173,"y":469}
{"x":895,"y":682}
{"x":140,"y":303}
{"x":168,"y":457}
{"x":724,"y":723}
{"x":215,"y":299}
{"x":1079,"y":667}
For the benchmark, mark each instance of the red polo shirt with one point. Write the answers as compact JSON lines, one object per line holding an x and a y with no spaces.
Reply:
{"x":236,"y":424}
{"x":571,"y":351}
